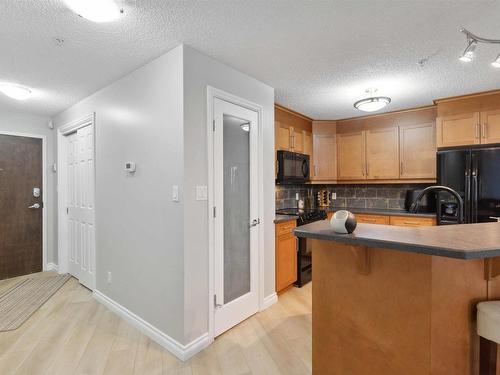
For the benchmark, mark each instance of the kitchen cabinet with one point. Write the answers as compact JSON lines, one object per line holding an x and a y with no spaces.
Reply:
{"x":409,"y":221}
{"x":324,"y":164}
{"x":308,"y":143}
{"x":351,"y":156}
{"x":490,"y":126}
{"x":290,"y":139}
{"x":417,"y":151}
{"x":283,"y":136}
{"x":286,"y":255}
{"x":382,"y":154}
{"x":372,"y":219}
{"x":458,"y":130}
{"x":401,"y":221}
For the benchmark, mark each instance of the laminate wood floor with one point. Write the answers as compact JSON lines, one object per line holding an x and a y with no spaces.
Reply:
{"x":72,"y":333}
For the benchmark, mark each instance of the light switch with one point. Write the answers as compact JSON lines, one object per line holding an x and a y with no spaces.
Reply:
{"x":175,"y":193}
{"x":334,"y":196}
{"x":201,"y":192}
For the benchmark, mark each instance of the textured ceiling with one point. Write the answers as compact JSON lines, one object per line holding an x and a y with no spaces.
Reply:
{"x":320,"y":56}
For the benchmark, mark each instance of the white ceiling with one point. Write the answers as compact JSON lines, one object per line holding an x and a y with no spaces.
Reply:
{"x":320,"y":56}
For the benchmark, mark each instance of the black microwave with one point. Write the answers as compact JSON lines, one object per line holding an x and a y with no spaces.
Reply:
{"x":293,"y":168}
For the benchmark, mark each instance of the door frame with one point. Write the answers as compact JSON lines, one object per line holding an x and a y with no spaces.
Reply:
{"x":212,"y":94}
{"x":62,"y":222}
{"x":45,"y":265}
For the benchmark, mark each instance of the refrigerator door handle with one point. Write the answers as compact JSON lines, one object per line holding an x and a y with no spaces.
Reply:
{"x":467,"y":200}
{"x":474,"y":195}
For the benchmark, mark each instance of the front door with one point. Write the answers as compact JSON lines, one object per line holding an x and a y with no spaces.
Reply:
{"x":236,"y":214}
{"x":80,"y":205}
{"x":20,"y":206}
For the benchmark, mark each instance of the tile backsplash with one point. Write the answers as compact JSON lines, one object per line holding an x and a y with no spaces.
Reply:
{"x":390,"y":196}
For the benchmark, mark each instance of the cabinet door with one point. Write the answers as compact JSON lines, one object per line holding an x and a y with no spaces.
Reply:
{"x":308,"y":143}
{"x":490,"y":127}
{"x":286,"y":261}
{"x":351,"y":156}
{"x":458,"y":130}
{"x":283,"y":136}
{"x":297,"y":140}
{"x":324,"y":158}
{"x":417,"y":150}
{"x":382,"y":154}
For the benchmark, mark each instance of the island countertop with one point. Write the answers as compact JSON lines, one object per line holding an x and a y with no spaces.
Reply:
{"x":464,"y":241}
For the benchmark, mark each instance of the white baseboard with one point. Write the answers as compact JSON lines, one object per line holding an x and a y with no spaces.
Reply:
{"x":52,"y":267}
{"x":269,"y":301}
{"x":183,"y":352}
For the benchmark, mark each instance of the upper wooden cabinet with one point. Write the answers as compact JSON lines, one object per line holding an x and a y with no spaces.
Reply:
{"x":283,"y":135}
{"x":382,"y":154}
{"x":490,"y":126}
{"x":308,"y":143}
{"x":351,"y":156}
{"x":467,"y":129}
{"x":417,"y":151}
{"x":458,"y":130}
{"x":324,"y":164}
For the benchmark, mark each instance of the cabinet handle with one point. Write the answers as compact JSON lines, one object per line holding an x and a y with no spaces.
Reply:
{"x":411,"y":223}
{"x":369,"y":220}
{"x":477,"y":131}
{"x":315,"y":170}
{"x":367,"y":170}
{"x":401,"y":169}
{"x":483,"y":131}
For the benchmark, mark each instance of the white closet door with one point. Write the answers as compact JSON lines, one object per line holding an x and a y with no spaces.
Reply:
{"x":81,"y":224}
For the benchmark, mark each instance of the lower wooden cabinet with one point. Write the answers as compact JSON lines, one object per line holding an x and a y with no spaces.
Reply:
{"x":286,"y":255}
{"x":401,"y":221}
{"x":409,"y":221}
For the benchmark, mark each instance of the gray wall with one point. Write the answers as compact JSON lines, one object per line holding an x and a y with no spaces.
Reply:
{"x":38,"y":125}
{"x":139,"y":230}
{"x":200,"y":71}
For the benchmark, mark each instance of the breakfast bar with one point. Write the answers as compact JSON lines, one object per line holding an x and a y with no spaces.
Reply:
{"x":400,"y":300}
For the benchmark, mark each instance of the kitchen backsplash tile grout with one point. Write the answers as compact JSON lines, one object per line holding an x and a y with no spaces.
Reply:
{"x":386,"y":196}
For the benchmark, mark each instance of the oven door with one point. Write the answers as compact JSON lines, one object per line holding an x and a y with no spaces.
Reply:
{"x":292,"y":167}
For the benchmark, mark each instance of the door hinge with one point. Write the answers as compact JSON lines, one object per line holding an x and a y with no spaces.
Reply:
{"x":213,"y":123}
{"x":215,"y":211}
{"x":216,"y":305}
{"x":67,"y":210}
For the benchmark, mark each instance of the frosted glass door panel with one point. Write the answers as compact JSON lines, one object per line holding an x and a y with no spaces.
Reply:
{"x":236,"y":208}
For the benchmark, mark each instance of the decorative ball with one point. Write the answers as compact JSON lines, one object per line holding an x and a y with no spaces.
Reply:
{"x":343,"y":222}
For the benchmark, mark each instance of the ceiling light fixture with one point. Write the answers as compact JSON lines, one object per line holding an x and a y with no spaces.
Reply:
{"x":496,"y":62}
{"x":245,"y":126}
{"x":95,"y":10}
{"x":472,"y":42}
{"x":468,"y":53}
{"x":372,"y":103}
{"x":15,"y":91}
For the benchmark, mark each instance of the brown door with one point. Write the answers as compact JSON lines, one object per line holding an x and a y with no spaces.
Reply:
{"x":20,"y":225}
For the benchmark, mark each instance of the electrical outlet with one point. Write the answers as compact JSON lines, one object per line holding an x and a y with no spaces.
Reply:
{"x":110,"y":279}
{"x":334,"y":196}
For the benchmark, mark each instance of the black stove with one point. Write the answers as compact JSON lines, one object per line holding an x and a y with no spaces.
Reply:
{"x":306,"y":216}
{"x":304,"y":253}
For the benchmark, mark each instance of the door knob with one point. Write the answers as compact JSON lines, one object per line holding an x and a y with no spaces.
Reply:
{"x":35,"y":206}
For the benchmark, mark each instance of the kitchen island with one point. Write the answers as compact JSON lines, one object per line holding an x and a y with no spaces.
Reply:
{"x":399,"y":300}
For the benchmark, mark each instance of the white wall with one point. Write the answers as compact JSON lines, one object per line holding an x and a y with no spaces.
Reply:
{"x":157,"y":250}
{"x":199,"y":72}
{"x":38,"y":125}
{"x":139,"y":230}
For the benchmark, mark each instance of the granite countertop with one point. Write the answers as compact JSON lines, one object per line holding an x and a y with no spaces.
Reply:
{"x":381,"y":211}
{"x":464,"y":241}
{"x":284,"y":218}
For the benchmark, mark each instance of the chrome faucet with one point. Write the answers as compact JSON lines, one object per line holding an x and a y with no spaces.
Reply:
{"x":437,"y":188}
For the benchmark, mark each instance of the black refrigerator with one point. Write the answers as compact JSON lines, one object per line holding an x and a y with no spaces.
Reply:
{"x":475,"y":175}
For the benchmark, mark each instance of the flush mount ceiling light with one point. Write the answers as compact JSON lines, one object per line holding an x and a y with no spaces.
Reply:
{"x":472,"y":42}
{"x":245,"y":126}
{"x":95,"y":10}
{"x":372,"y":103}
{"x":15,"y":91}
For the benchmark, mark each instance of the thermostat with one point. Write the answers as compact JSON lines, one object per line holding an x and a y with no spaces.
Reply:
{"x":130,"y":167}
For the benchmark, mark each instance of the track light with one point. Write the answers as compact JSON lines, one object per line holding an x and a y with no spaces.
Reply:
{"x":472,"y":41}
{"x":468,"y":54}
{"x":496,"y":62}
